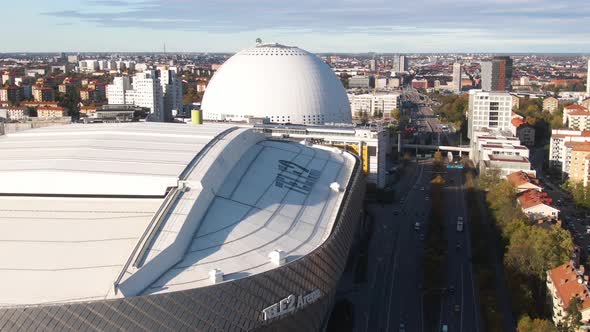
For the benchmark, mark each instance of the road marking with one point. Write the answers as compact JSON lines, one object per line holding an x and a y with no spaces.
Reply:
{"x":390,"y":288}
{"x":462,"y":297}
{"x":468,"y":234}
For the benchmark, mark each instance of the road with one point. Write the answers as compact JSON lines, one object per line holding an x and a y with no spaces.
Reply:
{"x":394,"y":279}
{"x":459,"y":270}
{"x":394,"y":290}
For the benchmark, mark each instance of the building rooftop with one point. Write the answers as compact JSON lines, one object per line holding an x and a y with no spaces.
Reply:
{"x":88,"y":207}
{"x":570,"y":283}
{"x":576,"y":107}
{"x":519,"y":178}
{"x":531,"y":198}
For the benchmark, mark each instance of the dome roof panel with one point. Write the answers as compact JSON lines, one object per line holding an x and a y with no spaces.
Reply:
{"x":283,"y":83}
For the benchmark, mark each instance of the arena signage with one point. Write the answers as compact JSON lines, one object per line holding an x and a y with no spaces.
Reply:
{"x":290,"y":304}
{"x":295,"y":177}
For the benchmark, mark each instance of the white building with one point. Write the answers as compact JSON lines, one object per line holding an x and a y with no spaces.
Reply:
{"x":588,"y":80}
{"x":500,"y":151}
{"x":281,"y":83}
{"x":145,"y":91}
{"x":116,"y":91}
{"x":491,"y":110}
{"x":457,"y":77}
{"x":172,"y":90}
{"x":373,"y":103}
{"x":559,"y":152}
{"x":400,"y":64}
{"x":88,"y":65}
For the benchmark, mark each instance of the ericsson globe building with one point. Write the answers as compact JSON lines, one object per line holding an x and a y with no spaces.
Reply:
{"x":283,"y":84}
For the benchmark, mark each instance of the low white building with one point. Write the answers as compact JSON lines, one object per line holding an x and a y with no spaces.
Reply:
{"x":383,"y":103}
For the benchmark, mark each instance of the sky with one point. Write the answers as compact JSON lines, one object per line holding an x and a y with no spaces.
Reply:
{"x":386,"y":26}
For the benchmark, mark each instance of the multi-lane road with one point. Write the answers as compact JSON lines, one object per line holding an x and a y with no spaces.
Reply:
{"x":395,"y":287}
{"x":395,"y":278}
{"x":460,"y":300}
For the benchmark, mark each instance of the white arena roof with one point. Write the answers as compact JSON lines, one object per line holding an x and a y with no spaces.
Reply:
{"x":245,"y":196}
{"x":283,"y":83}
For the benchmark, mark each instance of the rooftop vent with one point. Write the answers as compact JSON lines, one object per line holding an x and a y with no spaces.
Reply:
{"x":278,"y":257}
{"x":215,"y":276}
{"x":335,"y":186}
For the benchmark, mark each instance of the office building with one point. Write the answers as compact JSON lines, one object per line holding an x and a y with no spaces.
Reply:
{"x":457,"y":77}
{"x":182,"y":227}
{"x":496,"y":74}
{"x":491,"y":110}
{"x":280,"y":83}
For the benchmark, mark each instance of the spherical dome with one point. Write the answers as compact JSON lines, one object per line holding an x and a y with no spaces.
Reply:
{"x":285,"y":84}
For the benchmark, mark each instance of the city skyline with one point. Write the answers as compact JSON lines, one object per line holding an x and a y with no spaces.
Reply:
{"x":345,"y":26}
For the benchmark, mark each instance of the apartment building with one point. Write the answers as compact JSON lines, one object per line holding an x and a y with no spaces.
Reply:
{"x":144,"y":91}
{"x":565,"y":283}
{"x":578,"y":168}
{"x":578,"y":120}
{"x":550,"y":104}
{"x":12,"y":94}
{"x":560,"y":147}
{"x":16,"y":113}
{"x":43,"y":93}
{"x":51,"y":112}
{"x":522,"y":130}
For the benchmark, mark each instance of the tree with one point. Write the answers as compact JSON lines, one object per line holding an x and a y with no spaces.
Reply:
{"x":396,"y":114}
{"x":527,"y":324}
{"x":489,"y":177}
{"x":573,"y":317}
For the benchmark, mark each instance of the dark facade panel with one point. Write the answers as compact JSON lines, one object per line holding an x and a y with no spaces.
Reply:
{"x":231,"y":306}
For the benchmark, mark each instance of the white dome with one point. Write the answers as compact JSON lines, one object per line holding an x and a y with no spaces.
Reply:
{"x":285,"y":84}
